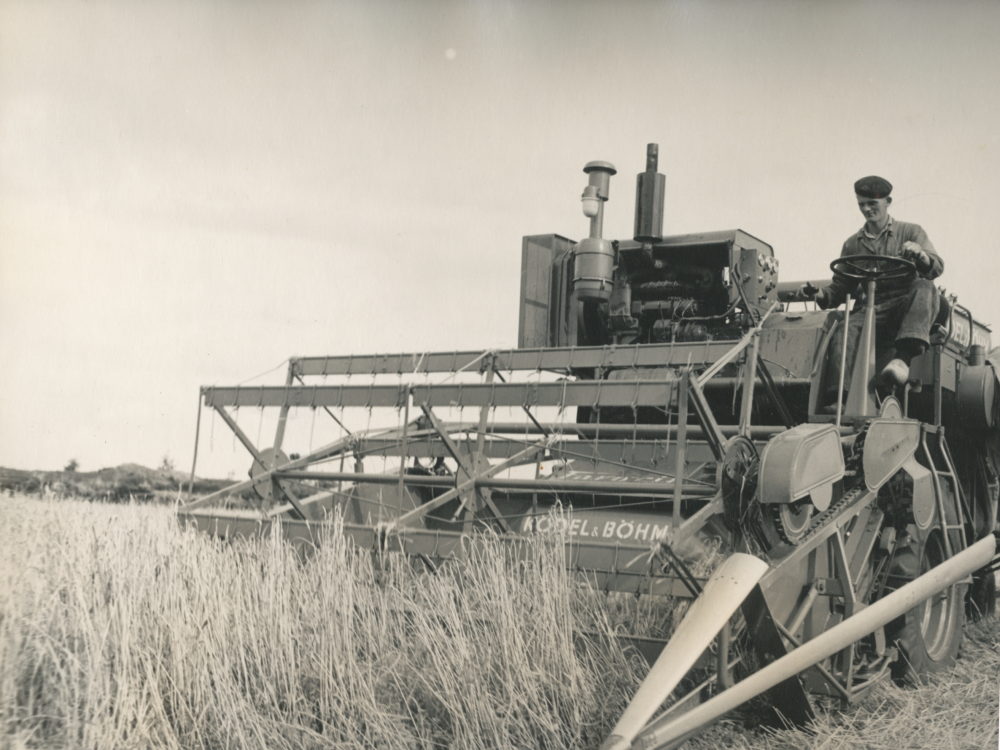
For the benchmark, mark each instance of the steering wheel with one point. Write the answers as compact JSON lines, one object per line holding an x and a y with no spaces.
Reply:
{"x":879,"y":267}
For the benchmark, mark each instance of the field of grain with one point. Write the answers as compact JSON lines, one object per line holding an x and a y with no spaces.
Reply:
{"x":118,"y":629}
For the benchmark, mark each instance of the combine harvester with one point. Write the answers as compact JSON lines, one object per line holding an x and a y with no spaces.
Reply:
{"x":854,"y":542}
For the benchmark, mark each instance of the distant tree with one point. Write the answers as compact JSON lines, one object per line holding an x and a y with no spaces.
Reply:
{"x":72,"y":466}
{"x":167,"y":464}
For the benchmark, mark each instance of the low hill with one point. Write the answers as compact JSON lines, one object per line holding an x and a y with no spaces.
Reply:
{"x":120,"y":483}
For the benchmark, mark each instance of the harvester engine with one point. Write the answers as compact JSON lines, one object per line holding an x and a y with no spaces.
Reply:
{"x":650,"y":289}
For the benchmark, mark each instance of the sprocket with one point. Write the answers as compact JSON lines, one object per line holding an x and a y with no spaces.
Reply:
{"x":791,"y":521}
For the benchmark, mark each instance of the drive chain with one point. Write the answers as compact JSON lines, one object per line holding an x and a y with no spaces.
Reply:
{"x":823,"y":518}
{"x":854,"y":459}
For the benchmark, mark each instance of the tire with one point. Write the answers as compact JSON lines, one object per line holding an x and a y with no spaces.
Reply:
{"x":981,"y":601}
{"x":930,"y":634}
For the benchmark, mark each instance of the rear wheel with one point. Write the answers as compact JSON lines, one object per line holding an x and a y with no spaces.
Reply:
{"x":981,"y":600}
{"x":929,"y":635}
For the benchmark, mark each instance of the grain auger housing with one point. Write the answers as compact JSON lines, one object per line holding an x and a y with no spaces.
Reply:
{"x":667,"y":396}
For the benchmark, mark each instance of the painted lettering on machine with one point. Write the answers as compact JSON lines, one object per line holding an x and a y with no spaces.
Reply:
{"x":963,"y":332}
{"x":603,"y":526}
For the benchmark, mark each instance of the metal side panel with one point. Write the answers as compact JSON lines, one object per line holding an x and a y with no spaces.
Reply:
{"x":790,"y":341}
{"x":539,"y":304}
{"x":621,"y":567}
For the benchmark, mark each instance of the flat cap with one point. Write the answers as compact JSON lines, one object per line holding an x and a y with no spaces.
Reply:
{"x":873,"y":187}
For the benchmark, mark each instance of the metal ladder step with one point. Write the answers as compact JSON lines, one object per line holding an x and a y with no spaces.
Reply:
{"x":946,"y":475}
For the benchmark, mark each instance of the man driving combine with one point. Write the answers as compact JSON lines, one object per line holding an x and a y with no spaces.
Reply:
{"x":904,"y":309}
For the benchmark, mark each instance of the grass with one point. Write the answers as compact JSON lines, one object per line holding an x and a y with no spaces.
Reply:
{"x":118,"y":629}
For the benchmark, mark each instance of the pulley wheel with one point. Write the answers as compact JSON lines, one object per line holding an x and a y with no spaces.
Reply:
{"x":272,"y":457}
{"x":478,"y":464}
{"x":891,"y":408}
{"x":792,"y":520}
{"x":737,"y":480}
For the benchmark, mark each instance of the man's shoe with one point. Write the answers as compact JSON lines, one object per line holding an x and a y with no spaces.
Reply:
{"x":896,"y":372}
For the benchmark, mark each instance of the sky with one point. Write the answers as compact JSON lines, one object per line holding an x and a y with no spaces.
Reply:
{"x":191,"y":193}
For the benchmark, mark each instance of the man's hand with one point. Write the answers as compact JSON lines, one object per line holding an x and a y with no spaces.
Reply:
{"x":913,"y":251}
{"x":809,"y":292}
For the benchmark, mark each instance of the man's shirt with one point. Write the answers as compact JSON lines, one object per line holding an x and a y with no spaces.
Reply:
{"x":889,"y":242}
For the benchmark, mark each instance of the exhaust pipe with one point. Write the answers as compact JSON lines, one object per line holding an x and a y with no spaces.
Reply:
{"x":669,"y":729}
{"x":650,"y":189}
